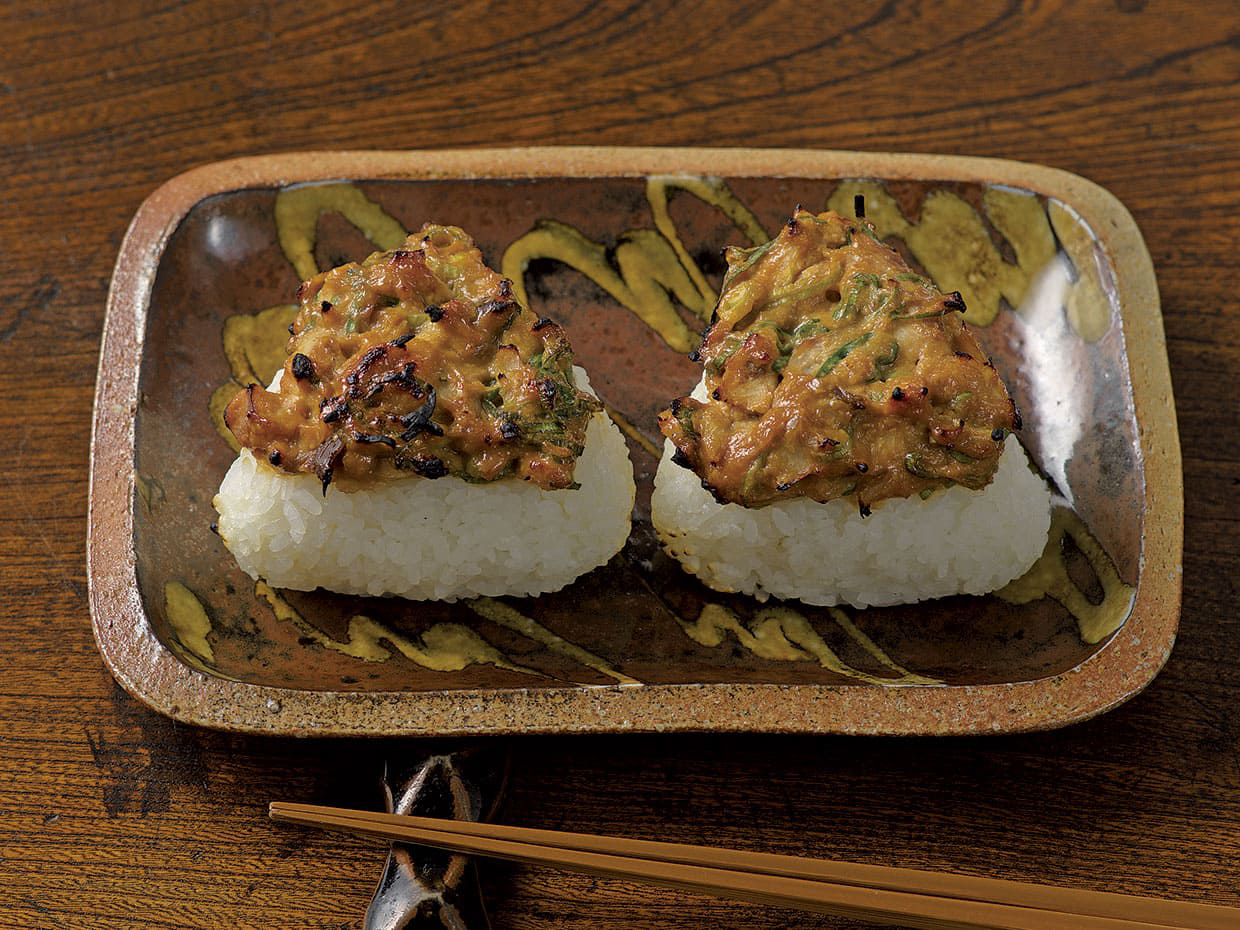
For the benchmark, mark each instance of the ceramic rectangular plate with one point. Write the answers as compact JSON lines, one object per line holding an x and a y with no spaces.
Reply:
{"x":622,"y":246}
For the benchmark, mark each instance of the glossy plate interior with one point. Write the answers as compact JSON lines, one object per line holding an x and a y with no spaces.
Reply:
{"x":623,"y":248}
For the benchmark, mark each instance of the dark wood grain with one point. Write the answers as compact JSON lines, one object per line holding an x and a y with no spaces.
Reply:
{"x":115,"y":817}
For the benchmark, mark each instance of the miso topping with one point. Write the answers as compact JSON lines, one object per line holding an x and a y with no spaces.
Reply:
{"x":832,"y":369}
{"x":419,"y":362}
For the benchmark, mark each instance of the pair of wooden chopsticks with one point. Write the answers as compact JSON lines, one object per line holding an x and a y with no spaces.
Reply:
{"x":908,"y":897}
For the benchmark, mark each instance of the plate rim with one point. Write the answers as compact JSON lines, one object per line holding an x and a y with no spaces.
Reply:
{"x":149,"y":671}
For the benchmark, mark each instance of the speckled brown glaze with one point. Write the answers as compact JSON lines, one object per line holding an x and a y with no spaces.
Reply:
{"x":205,"y":247}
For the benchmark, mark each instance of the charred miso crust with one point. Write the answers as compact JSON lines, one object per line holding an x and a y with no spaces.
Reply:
{"x":418,"y":361}
{"x":832,"y":370}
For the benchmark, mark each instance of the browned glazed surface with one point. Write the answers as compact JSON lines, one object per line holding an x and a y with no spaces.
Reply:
{"x":832,"y":369}
{"x":118,"y":818}
{"x":418,"y":362}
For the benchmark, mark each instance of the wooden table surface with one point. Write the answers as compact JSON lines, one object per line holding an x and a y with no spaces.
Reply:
{"x":112,"y":816}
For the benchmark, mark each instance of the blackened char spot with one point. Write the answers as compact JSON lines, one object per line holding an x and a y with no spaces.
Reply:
{"x":542,"y":321}
{"x":373,"y":354}
{"x":353,"y":378}
{"x":954,"y":301}
{"x":679,"y":458}
{"x":401,"y":377}
{"x":303,"y":368}
{"x":428,"y":466}
{"x":435,"y":312}
{"x":325,"y":459}
{"x":360,"y":382}
{"x":497,"y":306}
{"x":373,"y":438}
{"x":332,"y":409}
{"x":419,"y":421}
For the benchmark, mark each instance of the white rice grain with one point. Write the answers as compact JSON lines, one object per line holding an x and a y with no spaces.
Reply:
{"x":957,"y":542}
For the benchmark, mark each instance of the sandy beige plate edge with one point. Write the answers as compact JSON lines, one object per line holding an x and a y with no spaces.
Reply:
{"x":152,"y":674}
